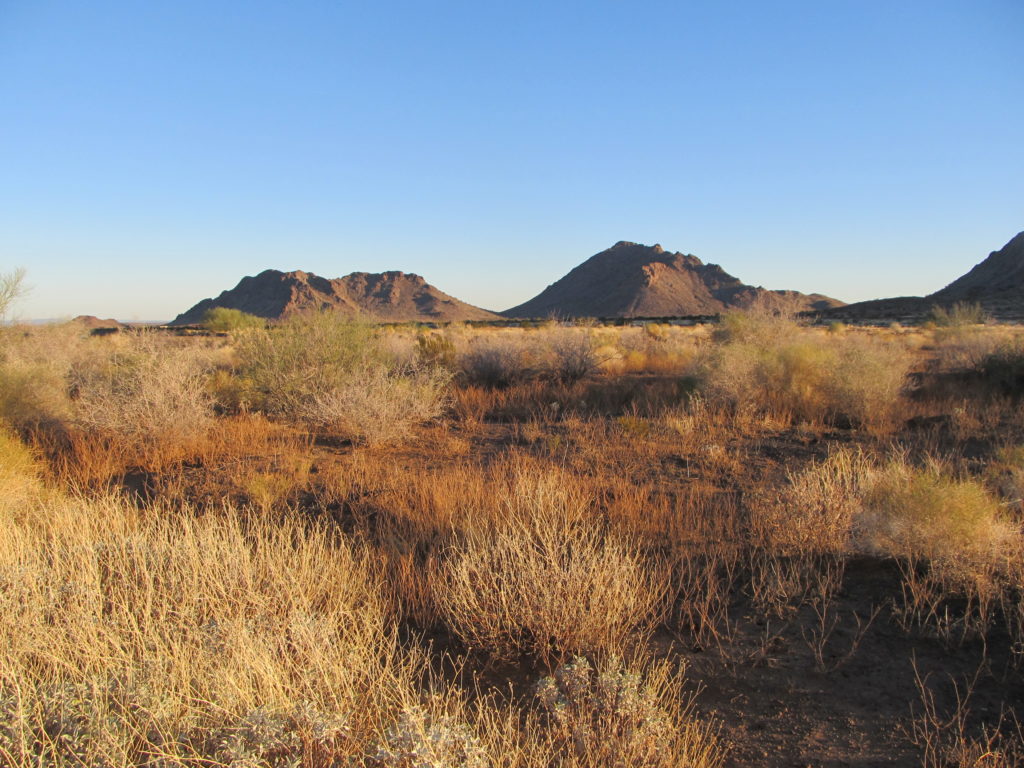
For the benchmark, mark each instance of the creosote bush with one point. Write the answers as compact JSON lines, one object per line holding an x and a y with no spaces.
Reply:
{"x":769,"y":363}
{"x":959,"y":315}
{"x":333,"y":373}
{"x":225,"y":319}
{"x":923,"y":513}
{"x":284,"y":367}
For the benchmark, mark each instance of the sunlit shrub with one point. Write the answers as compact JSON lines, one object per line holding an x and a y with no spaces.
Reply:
{"x":923,"y":513}
{"x":225,"y":319}
{"x":624,"y":715}
{"x":34,"y":372}
{"x":768,"y":363}
{"x":378,"y":404}
{"x":547,"y":581}
{"x":147,"y":390}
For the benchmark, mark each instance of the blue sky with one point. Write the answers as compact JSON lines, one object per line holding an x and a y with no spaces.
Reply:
{"x":151,"y":154}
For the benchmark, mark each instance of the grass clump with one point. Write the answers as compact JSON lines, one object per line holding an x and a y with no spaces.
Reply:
{"x":190,"y":639}
{"x":20,"y":472}
{"x":624,"y":715}
{"x":952,"y":523}
{"x":545,"y":580}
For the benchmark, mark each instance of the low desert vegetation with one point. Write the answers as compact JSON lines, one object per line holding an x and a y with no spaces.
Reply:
{"x":323,"y":542}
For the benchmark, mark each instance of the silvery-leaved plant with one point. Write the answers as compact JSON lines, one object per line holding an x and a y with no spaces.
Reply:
{"x":418,"y":740}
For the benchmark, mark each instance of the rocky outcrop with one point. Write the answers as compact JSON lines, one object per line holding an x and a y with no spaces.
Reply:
{"x":385,"y":296}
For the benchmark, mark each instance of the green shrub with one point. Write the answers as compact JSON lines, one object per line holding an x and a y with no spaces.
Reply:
{"x":924,"y":514}
{"x":769,"y":363}
{"x":960,"y":314}
{"x":285,"y":367}
{"x":334,"y":373}
{"x":225,"y":319}
{"x":435,"y":350}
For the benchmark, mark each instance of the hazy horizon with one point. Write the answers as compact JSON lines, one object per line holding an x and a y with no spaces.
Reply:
{"x":154,"y":155}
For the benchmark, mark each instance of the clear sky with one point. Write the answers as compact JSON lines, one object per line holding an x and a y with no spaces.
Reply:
{"x":153,"y":153}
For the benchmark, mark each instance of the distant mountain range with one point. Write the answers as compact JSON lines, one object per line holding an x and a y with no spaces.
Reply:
{"x":626,"y":280}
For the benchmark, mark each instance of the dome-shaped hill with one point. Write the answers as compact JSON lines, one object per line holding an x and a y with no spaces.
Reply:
{"x":633,"y":280}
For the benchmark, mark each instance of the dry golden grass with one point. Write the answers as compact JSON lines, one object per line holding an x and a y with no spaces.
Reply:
{"x":546,"y":581}
{"x":586,"y":495}
{"x":133,"y":635}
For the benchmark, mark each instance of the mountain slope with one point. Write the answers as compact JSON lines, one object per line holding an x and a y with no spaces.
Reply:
{"x":999,"y":275}
{"x":386,"y":296}
{"x":997,"y":283}
{"x":633,"y":280}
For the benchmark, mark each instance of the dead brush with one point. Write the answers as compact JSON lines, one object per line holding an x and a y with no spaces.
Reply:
{"x":819,"y":637}
{"x":377,"y":404}
{"x":945,"y":738}
{"x":546,"y":581}
{"x":705,"y":581}
{"x":191,"y":638}
{"x":625,"y":715}
{"x":149,"y":393}
{"x":953,"y":610}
